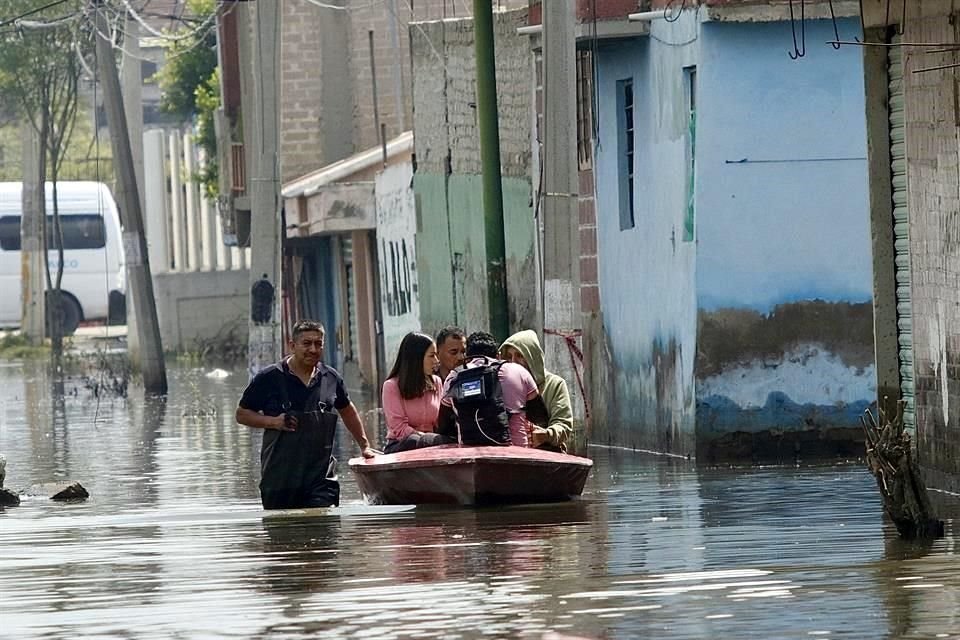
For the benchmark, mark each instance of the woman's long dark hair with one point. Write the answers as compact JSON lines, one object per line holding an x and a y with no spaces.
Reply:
{"x":408,"y":368}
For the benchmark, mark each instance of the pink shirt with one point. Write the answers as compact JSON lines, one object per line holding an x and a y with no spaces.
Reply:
{"x":406,"y":415}
{"x":517,"y":385}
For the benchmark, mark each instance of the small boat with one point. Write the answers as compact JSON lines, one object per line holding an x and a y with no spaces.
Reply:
{"x":451,"y":474}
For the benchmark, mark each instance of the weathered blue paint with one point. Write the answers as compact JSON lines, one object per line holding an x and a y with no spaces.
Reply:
{"x":780,"y":270}
{"x":797,"y":228}
{"x":782,"y":221}
{"x":646,"y":273}
{"x":319,"y":294}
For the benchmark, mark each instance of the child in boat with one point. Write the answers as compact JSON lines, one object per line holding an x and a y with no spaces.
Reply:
{"x":411,"y":396}
{"x":554,"y":426}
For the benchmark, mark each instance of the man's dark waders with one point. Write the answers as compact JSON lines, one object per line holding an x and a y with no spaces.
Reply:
{"x":298,"y":469}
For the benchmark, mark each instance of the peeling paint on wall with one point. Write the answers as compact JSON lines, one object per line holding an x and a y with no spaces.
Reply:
{"x":806,"y":366}
{"x":397,"y":258}
{"x":756,"y":340}
{"x":728,"y":337}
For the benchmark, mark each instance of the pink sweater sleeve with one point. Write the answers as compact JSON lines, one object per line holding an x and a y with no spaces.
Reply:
{"x":398,"y":424}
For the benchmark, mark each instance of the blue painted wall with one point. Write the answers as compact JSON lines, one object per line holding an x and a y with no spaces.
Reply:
{"x":763,"y":323}
{"x":773,"y":232}
{"x":784,"y":280}
{"x":646,"y":273}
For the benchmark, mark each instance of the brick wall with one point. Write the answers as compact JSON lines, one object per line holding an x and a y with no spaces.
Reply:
{"x":301,"y":146}
{"x":305,"y":115}
{"x":390,"y":63}
{"x":452,"y":40}
{"x":589,"y":266}
{"x":934,"y":209}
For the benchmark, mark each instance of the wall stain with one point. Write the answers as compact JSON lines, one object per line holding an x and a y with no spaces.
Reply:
{"x":343,"y":210}
{"x":730,"y":337}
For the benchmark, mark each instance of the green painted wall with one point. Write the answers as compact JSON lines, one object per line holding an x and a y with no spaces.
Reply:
{"x":434,"y":274}
{"x":452,"y":256}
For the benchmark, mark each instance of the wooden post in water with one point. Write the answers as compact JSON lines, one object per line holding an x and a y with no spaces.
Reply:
{"x":890,"y":461}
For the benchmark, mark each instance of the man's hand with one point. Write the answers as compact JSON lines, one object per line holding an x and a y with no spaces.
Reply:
{"x":540,"y":436}
{"x":368,"y":453}
{"x":285,"y":422}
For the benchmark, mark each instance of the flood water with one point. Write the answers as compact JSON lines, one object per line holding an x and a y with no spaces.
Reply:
{"x":173,"y":543}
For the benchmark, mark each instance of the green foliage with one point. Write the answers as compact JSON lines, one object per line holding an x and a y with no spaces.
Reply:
{"x":208,"y":101}
{"x":85,"y":158}
{"x":15,"y":346}
{"x":40,"y":69}
{"x":190,"y":85}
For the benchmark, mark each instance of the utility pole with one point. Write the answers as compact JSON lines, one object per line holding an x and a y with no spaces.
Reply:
{"x":561,"y":251}
{"x":130,"y":85}
{"x":134,"y":243}
{"x":32,"y":254}
{"x":490,"y":162}
{"x":265,"y":328}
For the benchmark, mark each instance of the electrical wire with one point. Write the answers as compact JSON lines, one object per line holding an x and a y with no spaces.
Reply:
{"x":12,"y":20}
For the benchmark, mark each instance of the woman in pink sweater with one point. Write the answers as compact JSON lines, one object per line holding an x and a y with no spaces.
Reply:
{"x":411,"y":396}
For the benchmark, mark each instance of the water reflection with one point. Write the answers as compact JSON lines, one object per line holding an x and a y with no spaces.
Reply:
{"x":174,"y":543}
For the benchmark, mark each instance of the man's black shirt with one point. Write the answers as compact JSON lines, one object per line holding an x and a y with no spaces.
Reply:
{"x":265,"y":392}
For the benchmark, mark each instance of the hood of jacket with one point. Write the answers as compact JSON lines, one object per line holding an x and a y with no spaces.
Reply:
{"x":527,"y":343}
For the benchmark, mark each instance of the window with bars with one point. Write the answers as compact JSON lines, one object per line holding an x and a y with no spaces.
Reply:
{"x":625,"y":152}
{"x":690,"y":82}
{"x":585,"y":108}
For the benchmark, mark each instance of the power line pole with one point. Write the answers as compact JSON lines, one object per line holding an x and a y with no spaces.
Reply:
{"x":32,"y":254}
{"x":134,"y":243}
{"x":265,"y":329}
{"x":561,"y":215}
{"x":490,"y":162}
{"x":130,"y":86}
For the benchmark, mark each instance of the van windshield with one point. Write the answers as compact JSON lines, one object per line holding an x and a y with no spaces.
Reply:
{"x":80,"y":231}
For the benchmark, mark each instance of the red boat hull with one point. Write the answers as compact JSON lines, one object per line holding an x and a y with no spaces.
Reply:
{"x":471,"y":476}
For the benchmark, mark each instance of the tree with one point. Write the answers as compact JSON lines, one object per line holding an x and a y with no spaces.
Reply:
{"x":50,"y":45}
{"x":190,"y":83}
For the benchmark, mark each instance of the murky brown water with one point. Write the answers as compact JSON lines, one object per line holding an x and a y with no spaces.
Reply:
{"x":173,"y":543}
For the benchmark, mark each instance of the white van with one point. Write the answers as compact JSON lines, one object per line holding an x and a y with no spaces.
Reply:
{"x":94,"y":281}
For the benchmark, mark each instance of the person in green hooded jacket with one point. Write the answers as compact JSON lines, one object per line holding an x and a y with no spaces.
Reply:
{"x":553,"y":429}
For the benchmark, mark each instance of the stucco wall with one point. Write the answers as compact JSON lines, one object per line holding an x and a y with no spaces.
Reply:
{"x":202,"y":308}
{"x":396,"y":233}
{"x":761,"y":324}
{"x":785,"y":337}
{"x":646,"y":273}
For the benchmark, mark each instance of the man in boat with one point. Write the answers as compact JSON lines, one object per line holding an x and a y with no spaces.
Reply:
{"x":451,"y":349}
{"x":485,"y":400}
{"x":296,"y":402}
{"x":554,"y":426}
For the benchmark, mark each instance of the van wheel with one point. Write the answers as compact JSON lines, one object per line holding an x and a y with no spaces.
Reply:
{"x":70,"y":313}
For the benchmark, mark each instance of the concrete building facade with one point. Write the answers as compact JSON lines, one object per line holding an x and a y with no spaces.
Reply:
{"x":735,"y":299}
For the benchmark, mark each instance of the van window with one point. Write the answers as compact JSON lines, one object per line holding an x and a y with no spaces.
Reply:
{"x":80,"y":231}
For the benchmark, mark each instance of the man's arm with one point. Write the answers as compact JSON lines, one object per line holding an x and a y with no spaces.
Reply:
{"x":255,"y":419}
{"x":351,"y":419}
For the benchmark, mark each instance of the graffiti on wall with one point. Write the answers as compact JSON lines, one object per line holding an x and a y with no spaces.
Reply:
{"x":396,"y":248}
{"x":395,"y":279}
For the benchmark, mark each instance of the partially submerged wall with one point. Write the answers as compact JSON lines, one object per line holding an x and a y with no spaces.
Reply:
{"x":785,"y":362}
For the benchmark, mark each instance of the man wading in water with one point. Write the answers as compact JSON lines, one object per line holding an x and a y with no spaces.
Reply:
{"x":294,"y":401}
